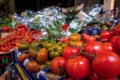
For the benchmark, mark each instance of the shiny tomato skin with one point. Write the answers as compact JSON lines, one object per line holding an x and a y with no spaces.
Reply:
{"x":88,"y":38}
{"x":57,"y":64}
{"x":75,"y":37}
{"x":6,"y":28}
{"x":113,"y":39}
{"x":106,"y":35}
{"x":106,"y":64}
{"x":69,"y":52}
{"x":117,"y":29}
{"x":93,"y":48}
{"x":117,"y":44}
{"x":78,"y":67}
{"x":107,"y":46}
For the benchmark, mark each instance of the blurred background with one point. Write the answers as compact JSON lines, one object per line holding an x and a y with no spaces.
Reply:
{"x":10,"y":6}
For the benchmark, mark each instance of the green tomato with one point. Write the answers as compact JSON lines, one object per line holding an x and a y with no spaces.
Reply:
{"x":54,"y":54}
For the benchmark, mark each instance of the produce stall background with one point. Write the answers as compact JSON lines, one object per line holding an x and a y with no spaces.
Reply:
{"x":39,"y":33}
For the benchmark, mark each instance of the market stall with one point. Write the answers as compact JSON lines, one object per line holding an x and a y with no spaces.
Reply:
{"x":58,"y":43}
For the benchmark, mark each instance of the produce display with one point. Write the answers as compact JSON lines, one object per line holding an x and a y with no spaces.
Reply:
{"x":57,"y":44}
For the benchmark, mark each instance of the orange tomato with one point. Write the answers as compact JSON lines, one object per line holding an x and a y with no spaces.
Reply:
{"x":78,"y":43}
{"x":75,"y":36}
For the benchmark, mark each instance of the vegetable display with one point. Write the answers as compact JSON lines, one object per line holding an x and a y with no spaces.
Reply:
{"x":86,"y":48}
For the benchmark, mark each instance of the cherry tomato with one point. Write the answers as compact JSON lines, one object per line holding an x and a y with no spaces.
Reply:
{"x":106,"y":64}
{"x":6,"y":29}
{"x":20,"y":26}
{"x":78,"y":67}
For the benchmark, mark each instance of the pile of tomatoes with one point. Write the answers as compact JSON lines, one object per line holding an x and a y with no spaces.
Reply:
{"x":83,"y":56}
{"x":20,"y":33}
{"x":76,"y":57}
{"x":93,"y":59}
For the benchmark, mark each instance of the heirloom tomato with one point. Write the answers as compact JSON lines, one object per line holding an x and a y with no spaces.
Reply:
{"x":42,"y":55}
{"x":78,"y":67}
{"x":69,"y":51}
{"x":106,"y":64}
{"x":22,"y":45}
{"x":32,"y":66}
{"x":75,"y":37}
{"x":57,"y":65}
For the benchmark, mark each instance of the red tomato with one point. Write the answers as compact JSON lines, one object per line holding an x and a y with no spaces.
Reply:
{"x":94,"y":76}
{"x":20,"y":26}
{"x":64,"y":40}
{"x":106,"y":35}
{"x":69,"y":51}
{"x":106,"y":64}
{"x":114,"y":38}
{"x":110,"y":79}
{"x":6,"y":29}
{"x":78,"y":67}
{"x":117,"y":45}
{"x":117,"y":29}
{"x":69,"y":78}
{"x":93,"y":48}
{"x":88,"y":38}
{"x":57,"y":65}
{"x":107,"y":46}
